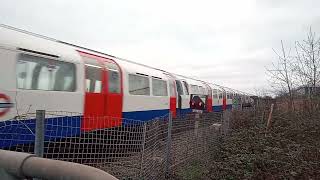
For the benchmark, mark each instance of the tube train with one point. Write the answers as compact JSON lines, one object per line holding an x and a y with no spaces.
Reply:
{"x":37,"y":72}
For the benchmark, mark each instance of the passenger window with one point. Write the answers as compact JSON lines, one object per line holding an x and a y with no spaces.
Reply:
{"x":215,"y":95}
{"x":186,"y":87}
{"x":194,"y":89}
{"x":114,"y":82}
{"x":159,"y":87}
{"x":179,"y":87}
{"x":202,"y":90}
{"x":139,"y":85}
{"x":38,"y":73}
{"x":93,"y":78}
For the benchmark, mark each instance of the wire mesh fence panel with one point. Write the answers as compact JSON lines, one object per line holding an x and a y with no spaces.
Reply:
{"x":132,"y":149}
{"x":193,"y":136}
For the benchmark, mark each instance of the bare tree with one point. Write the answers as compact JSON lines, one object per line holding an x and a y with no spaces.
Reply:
{"x":308,"y":62}
{"x":281,"y":75}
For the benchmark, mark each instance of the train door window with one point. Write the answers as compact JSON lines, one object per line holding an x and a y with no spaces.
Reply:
{"x":209,"y":92}
{"x":171,"y":88}
{"x":114,"y":83}
{"x":179,"y":87}
{"x":93,"y":78}
{"x":220,"y":94}
{"x":159,"y":87}
{"x":139,"y":85}
{"x":186,"y":87}
{"x":38,"y":73}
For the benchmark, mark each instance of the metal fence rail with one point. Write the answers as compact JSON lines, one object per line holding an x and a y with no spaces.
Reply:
{"x":17,"y":165}
{"x":136,"y":149}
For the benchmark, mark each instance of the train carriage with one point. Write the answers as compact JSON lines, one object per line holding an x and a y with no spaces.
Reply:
{"x":229,"y":98}
{"x":198,"y":94}
{"x":147,"y":92}
{"x":97,"y":90}
{"x":218,"y":98}
{"x":37,"y":73}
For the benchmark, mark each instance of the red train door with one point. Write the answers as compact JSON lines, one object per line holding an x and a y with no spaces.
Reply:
{"x":114,"y":94}
{"x":103,"y":108}
{"x":209,"y":99}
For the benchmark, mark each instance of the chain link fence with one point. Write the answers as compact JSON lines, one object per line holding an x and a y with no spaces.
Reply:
{"x":137,"y":149}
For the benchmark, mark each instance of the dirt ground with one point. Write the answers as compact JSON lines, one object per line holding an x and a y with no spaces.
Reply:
{"x":290,"y":149}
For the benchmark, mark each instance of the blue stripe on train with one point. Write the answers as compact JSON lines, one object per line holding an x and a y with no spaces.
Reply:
{"x":130,"y":117}
{"x":14,"y":132}
{"x":217,"y":108}
{"x":182,"y":112}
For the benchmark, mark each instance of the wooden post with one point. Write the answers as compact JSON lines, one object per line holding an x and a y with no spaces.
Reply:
{"x":270,"y":117}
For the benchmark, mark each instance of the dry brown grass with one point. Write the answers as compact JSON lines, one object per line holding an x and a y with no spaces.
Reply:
{"x":289,"y":150}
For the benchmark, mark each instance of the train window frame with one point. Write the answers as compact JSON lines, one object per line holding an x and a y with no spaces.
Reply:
{"x":56,"y":70}
{"x":148,"y":93}
{"x":215,"y":94}
{"x":172,"y":89}
{"x":114,"y":85}
{"x":165,"y":88}
{"x":195,"y":89}
{"x":185,"y":84}
{"x":179,"y":87}
{"x":201,"y":90}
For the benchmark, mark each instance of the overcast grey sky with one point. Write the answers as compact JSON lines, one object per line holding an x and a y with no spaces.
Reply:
{"x":226,"y":42}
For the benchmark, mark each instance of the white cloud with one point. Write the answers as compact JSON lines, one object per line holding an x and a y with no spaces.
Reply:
{"x":227,"y":42}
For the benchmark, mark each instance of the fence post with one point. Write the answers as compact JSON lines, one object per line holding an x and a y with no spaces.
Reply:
{"x":226,"y":121}
{"x":39,"y":139}
{"x":168,"y":144}
{"x":143,"y":148}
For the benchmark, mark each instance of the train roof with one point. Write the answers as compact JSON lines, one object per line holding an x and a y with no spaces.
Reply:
{"x":132,"y":68}
{"x":191,"y":80}
{"x":19,"y":40}
{"x":15,"y":38}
